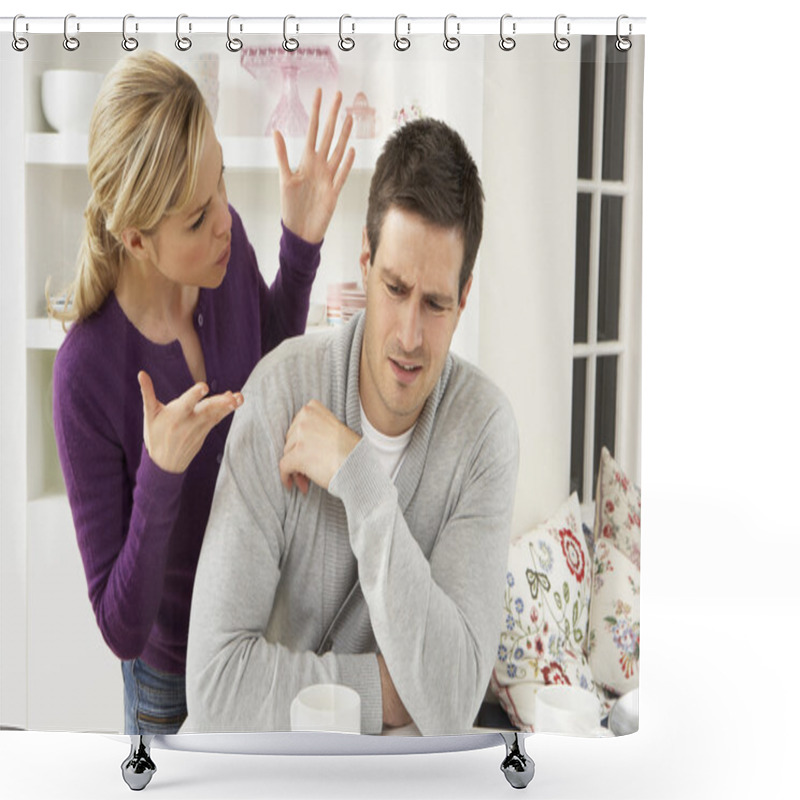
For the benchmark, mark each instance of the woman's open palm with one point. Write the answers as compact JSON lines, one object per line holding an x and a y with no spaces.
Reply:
{"x":310,"y":193}
{"x":175,"y":432}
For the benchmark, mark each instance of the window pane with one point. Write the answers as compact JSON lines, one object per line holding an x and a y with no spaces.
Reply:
{"x":586,"y":119}
{"x":614,"y":112}
{"x":582,"y":236}
{"x":609,"y":268}
{"x":578,"y":426}
{"x":605,"y":409}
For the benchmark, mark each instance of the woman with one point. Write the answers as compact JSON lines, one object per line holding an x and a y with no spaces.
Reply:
{"x":168,"y":296}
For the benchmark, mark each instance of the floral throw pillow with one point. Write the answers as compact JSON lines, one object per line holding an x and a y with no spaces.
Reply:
{"x":618,"y":509}
{"x":544,"y":626}
{"x":614,"y":620}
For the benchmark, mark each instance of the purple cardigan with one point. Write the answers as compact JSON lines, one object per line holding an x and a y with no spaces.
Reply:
{"x":139,"y":528}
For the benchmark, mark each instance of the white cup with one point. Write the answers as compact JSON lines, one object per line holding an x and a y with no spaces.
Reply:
{"x":326,"y":707}
{"x":566,"y":709}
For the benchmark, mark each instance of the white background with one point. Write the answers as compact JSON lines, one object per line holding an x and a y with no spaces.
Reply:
{"x":721,"y":604}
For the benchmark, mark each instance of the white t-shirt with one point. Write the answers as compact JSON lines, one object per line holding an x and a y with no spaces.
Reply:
{"x":390,"y":449}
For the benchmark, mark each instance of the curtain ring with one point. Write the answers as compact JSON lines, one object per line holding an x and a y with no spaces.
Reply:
{"x":70,"y":42}
{"x":19,"y":43}
{"x":451,"y":43}
{"x":129,"y":43}
{"x":507,"y":42}
{"x":401,"y":43}
{"x":623,"y":43}
{"x":183,"y":43}
{"x":561,"y":43}
{"x":346,"y":43}
{"x":290,"y":44}
{"x":233,"y":44}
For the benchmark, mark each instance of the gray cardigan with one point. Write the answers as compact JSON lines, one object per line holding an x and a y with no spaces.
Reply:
{"x":422,"y":560}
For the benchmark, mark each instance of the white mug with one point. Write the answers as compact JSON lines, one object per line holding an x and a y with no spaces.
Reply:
{"x":566,"y":709}
{"x":326,"y":707}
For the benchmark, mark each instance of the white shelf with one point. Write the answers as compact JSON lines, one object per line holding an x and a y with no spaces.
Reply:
{"x":241,"y":152}
{"x":60,"y":149}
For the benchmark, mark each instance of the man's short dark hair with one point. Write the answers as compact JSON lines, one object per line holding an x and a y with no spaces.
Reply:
{"x":425,"y":168}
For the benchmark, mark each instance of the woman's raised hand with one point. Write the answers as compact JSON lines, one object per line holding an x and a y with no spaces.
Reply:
{"x":309,"y":195}
{"x":175,"y":432}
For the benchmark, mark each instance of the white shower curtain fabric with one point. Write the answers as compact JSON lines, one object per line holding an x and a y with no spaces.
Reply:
{"x":553,"y":317}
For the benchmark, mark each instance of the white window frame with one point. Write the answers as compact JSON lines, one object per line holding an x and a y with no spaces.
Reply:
{"x":627,"y":347}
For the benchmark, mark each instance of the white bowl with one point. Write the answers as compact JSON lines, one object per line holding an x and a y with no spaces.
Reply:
{"x":68,"y":97}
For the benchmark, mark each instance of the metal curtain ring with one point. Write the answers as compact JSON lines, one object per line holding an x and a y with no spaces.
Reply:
{"x":183,"y":43}
{"x":401,"y":42}
{"x":233,"y":44}
{"x":507,"y":42}
{"x":623,"y":43}
{"x":451,"y":42}
{"x":290,"y":44}
{"x":561,"y":43}
{"x":19,"y":43}
{"x":129,"y":43}
{"x":346,"y":43}
{"x":70,"y":42}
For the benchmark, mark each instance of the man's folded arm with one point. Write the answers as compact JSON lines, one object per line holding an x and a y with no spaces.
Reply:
{"x":436,"y":622}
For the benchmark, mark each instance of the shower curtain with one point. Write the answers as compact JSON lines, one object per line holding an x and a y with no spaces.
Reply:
{"x":553,"y":319}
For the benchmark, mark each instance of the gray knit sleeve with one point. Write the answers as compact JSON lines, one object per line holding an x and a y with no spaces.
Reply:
{"x":435,"y":616}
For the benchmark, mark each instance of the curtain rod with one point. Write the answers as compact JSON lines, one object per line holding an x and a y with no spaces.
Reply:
{"x":75,"y":25}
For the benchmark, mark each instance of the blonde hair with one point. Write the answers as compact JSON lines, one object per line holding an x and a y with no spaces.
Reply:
{"x":145,"y":140}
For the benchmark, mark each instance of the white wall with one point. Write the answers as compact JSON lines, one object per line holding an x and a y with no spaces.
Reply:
{"x":528,"y":258}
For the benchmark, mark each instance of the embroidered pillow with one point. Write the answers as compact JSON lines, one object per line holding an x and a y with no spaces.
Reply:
{"x":618,"y":509}
{"x":614,"y":620}
{"x":546,"y":614}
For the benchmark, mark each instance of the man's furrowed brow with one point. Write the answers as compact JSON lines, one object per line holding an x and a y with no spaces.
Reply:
{"x":392,"y":277}
{"x":443,"y":299}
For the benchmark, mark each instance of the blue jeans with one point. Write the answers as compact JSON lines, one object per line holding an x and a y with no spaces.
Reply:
{"x":155,"y":701}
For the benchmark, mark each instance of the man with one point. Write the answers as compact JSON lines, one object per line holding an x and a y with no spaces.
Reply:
{"x":360,"y":525}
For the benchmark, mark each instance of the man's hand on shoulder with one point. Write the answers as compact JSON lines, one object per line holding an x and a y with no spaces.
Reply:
{"x":317,"y":444}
